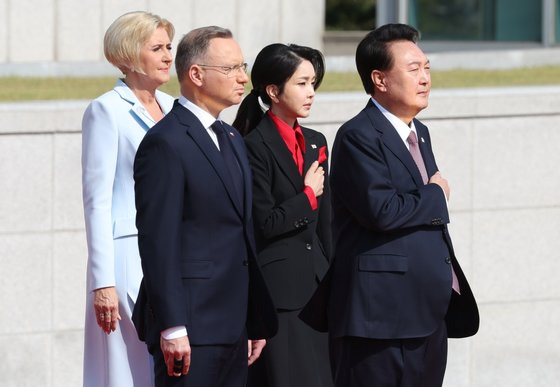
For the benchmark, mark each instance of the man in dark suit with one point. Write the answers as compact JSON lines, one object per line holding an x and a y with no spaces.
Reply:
{"x":397,"y":290}
{"x":202,"y":295}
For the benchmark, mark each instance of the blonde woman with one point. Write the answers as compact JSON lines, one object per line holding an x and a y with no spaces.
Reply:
{"x":139,"y":45}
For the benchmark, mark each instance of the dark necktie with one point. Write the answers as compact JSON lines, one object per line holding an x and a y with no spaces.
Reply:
{"x":232,"y":165}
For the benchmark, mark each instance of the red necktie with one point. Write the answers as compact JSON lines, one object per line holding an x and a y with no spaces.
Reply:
{"x":300,"y":147}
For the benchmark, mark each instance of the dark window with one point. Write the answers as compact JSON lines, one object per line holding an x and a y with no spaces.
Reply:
{"x":350,"y":15}
{"x":491,"y":20}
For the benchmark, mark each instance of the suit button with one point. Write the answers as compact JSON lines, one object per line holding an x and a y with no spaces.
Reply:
{"x":296,"y":224}
{"x":305,"y":220}
{"x":245,"y":263}
{"x":308,"y":246}
{"x":447,"y":260}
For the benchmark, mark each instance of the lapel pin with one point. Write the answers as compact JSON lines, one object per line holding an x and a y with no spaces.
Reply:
{"x":422,"y":139}
{"x":313,"y":146}
{"x":232,"y":135}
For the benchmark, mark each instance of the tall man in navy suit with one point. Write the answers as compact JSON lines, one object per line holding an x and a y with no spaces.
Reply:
{"x":397,"y":290}
{"x":202,"y":295}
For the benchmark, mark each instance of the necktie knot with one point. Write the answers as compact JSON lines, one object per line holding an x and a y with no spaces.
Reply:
{"x":300,"y":140}
{"x":218,"y":128}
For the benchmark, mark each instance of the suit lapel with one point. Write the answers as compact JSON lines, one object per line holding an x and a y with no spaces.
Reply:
{"x":393,"y":141}
{"x":280,"y":152}
{"x":137,"y":110}
{"x":425,"y":148}
{"x":198,"y":133}
{"x":311,"y":149}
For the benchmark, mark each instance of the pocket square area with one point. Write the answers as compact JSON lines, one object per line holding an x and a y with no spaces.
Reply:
{"x":322,"y":154}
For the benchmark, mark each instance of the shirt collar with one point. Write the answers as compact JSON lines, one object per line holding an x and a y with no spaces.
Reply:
{"x":287,"y":133}
{"x":205,"y":118}
{"x":402,"y":129}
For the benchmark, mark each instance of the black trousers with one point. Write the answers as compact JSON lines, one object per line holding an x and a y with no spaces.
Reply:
{"x":413,"y":362}
{"x":211,"y":366}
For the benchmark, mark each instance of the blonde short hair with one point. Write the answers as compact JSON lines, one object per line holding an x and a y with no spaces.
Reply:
{"x":127,"y":34}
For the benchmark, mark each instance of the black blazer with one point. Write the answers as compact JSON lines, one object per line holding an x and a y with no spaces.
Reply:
{"x":196,"y":241}
{"x":391,"y":275}
{"x":293,"y":241}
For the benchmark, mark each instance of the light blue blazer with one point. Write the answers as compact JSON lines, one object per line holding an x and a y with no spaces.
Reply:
{"x":112,"y":128}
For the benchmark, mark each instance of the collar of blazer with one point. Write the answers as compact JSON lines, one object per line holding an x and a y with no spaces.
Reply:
{"x":199,"y":135}
{"x":137,"y":108}
{"x":394,"y":143}
{"x":282,"y":154}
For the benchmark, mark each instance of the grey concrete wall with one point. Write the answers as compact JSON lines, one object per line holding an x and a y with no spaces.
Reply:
{"x":59,"y":37}
{"x":497,"y":147}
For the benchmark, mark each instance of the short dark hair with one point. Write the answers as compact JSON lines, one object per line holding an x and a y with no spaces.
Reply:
{"x":274,"y":65}
{"x":373,"y":51}
{"x":193,"y":46}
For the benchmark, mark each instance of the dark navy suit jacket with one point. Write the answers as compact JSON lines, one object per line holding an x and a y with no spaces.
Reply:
{"x":391,"y":276}
{"x":196,"y":240}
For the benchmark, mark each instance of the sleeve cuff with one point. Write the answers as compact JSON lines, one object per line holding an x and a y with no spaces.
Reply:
{"x":174,"y":332}
{"x":311,"y":196}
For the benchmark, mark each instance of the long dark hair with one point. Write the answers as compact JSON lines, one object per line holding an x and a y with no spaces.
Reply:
{"x":274,"y":65}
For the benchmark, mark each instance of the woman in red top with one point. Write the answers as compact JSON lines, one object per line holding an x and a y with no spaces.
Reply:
{"x":291,"y":208}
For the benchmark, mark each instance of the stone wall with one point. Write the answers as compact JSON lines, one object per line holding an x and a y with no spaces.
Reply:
{"x":497,"y":147}
{"x":54,"y":37}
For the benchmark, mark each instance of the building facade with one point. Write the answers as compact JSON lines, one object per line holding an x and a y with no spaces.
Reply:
{"x":65,"y":37}
{"x":505,"y":22}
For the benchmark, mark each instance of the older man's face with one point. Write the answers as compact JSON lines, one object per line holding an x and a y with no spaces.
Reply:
{"x":220,"y":89}
{"x":408,"y":82}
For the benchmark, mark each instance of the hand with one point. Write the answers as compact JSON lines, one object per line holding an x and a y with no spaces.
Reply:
{"x":439,"y":180}
{"x":176,"y":349}
{"x":314,"y":178}
{"x":106,"y":306}
{"x":255,"y":348}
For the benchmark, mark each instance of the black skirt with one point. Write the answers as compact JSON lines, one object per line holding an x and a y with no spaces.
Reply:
{"x":296,"y":357}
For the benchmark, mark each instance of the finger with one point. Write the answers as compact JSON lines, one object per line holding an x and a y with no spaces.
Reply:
{"x":186,"y":363}
{"x":108,"y":317}
{"x":314,"y":166}
{"x":249,"y":348}
{"x":169,"y":364}
{"x":256,"y":352}
{"x":102,"y":319}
